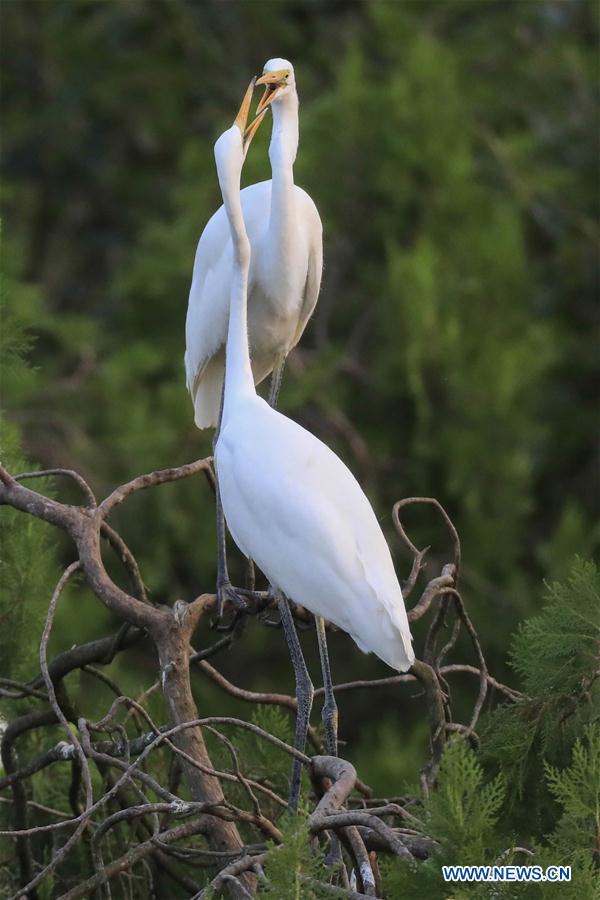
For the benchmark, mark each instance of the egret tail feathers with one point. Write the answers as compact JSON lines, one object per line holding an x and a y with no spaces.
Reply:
{"x":391,"y":636}
{"x":207,"y":398}
{"x":395,"y":649}
{"x":400,"y":619}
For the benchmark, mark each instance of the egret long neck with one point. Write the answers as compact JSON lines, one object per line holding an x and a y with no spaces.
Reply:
{"x":282,"y":154}
{"x":238,"y":371}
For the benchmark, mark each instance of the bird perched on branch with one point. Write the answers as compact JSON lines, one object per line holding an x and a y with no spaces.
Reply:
{"x":285,"y":233}
{"x":290,"y":503}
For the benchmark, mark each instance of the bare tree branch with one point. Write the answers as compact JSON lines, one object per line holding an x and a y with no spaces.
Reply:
{"x":134,"y":801}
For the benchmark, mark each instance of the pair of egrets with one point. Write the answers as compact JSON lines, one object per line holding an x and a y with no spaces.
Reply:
{"x":290,"y":503}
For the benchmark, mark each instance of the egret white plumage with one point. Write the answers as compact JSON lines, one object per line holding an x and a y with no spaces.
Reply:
{"x":290,"y":503}
{"x":285,"y":233}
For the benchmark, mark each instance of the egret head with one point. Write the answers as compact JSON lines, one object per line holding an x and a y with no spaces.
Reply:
{"x":232,"y":146}
{"x":279,"y":81}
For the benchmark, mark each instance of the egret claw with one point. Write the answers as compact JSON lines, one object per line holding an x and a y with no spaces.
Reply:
{"x":227,"y":592}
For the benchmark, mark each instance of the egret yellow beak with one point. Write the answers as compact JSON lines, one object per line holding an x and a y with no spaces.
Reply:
{"x":273,"y":82}
{"x":248,"y":131}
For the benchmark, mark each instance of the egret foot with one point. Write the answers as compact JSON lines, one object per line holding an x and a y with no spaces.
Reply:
{"x":243,"y":600}
{"x":227,"y":593}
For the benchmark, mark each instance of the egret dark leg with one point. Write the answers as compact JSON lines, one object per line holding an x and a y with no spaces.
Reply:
{"x":304,"y":694}
{"x":225,"y":590}
{"x":276,"y":379}
{"x":329,"y":715}
{"x":330,"y":710}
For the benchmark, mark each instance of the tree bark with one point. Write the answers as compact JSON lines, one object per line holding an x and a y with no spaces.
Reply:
{"x":172,"y":639}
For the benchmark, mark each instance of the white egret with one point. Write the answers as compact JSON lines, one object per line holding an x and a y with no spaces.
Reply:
{"x":285,"y":233}
{"x":291,"y":504}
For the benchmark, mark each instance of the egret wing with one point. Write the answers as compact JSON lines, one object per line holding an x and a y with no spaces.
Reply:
{"x":315,"y":265}
{"x":208,"y":304}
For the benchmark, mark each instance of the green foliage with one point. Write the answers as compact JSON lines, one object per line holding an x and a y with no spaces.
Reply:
{"x":263,"y":759}
{"x":577,"y":791}
{"x":294,"y":869}
{"x":574,"y":536}
{"x":556,"y":655}
{"x":463,"y":811}
{"x":574,"y":840}
{"x":462,"y":816}
{"x":28,"y":568}
{"x":387,"y":767}
{"x":277,"y":722}
{"x":556,"y":649}
{"x":28,"y":561}
{"x":258,"y":758}
{"x":511,"y":794}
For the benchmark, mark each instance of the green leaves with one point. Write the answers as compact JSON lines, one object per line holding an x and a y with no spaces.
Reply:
{"x":574,"y":840}
{"x":537,"y":781}
{"x":463,"y":810}
{"x":577,"y":790}
{"x":556,"y":650}
{"x":556,"y":655}
{"x":461,"y":815}
{"x":28,"y":562}
{"x":294,"y":869}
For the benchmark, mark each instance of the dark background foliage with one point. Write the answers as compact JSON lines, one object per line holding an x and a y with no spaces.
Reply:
{"x":451,"y":151}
